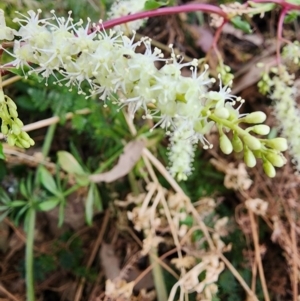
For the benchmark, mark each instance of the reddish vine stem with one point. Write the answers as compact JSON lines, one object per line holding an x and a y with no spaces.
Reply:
{"x":216,"y":39}
{"x":279,"y":33}
{"x":208,"y":8}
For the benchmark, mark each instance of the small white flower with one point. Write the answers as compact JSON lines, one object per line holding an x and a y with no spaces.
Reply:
{"x":6,"y":33}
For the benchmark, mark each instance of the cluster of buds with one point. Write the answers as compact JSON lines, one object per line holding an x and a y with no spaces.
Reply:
{"x":109,"y":64}
{"x":11,"y":125}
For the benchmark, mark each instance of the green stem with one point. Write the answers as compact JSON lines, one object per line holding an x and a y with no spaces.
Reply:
{"x":48,"y":139}
{"x":229,"y":124}
{"x":29,"y":255}
{"x":31,"y":223}
{"x":157,"y":272}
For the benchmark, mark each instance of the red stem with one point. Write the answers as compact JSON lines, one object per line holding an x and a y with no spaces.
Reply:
{"x":166,"y":11}
{"x":279,"y":33}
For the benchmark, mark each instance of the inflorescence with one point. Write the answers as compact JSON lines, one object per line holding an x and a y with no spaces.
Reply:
{"x":107,"y":61}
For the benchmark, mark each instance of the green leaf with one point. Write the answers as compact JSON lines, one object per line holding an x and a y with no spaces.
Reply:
{"x":4,"y":215}
{"x":17,"y":203}
{"x":47,"y":181}
{"x":23,"y":189}
{"x":89,"y":204}
{"x":243,"y":25}
{"x":32,"y":76}
{"x":69,"y":164}
{"x":61,"y":214}
{"x":291,"y":16}
{"x":2,"y":156}
{"x":48,"y":205}
{"x":3,"y":207}
{"x":152,"y":4}
{"x":4,"y":198}
{"x":97,"y":200}
{"x":20,"y":213}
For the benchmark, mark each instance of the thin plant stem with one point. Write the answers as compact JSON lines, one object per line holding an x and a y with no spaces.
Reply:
{"x":159,"y":282}
{"x":31,"y":220}
{"x":165,"y":11}
{"x":30,"y":296}
{"x":279,"y":34}
{"x":258,"y":257}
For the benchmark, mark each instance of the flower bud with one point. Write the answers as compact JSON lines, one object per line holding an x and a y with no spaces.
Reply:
{"x":249,"y":158}
{"x":25,"y":136}
{"x":18,"y":122}
{"x":237,"y":143}
{"x":222,"y":113}
{"x":225,"y":145}
{"x":10,"y":103}
{"x":15,"y":129}
{"x":261,"y":129}
{"x":24,"y":143}
{"x":13,"y":112}
{"x":255,"y":117}
{"x":277,"y":160}
{"x":4,"y":128}
{"x":279,"y":144}
{"x":31,"y":141}
{"x":11,"y":140}
{"x":252,"y":142}
{"x":269,"y":169}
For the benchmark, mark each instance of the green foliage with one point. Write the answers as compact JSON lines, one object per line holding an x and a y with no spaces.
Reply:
{"x":153,"y":4}
{"x":67,"y":259}
{"x":241,"y":24}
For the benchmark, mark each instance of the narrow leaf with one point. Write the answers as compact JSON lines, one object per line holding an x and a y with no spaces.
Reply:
{"x":69,"y":164}
{"x":152,"y":4}
{"x":89,"y":204}
{"x":47,"y":181}
{"x":241,"y":24}
{"x":48,"y":205}
{"x":17,"y":203}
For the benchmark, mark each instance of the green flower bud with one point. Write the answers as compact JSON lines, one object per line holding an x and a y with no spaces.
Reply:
{"x":10,"y":103}
{"x":261,"y":129}
{"x":18,"y":122}
{"x":269,"y":169}
{"x":222,"y":113}
{"x":31,"y":141}
{"x":255,"y":117}
{"x":277,"y":160}
{"x":16,"y":129}
{"x":237,"y":143}
{"x":19,"y":144}
{"x":249,"y":158}
{"x":13,"y":112}
{"x":24,"y":143}
{"x":252,"y":142}
{"x":4,"y":128}
{"x":225,"y":145}
{"x":11,"y":140}
{"x":24,"y":136}
{"x":279,"y":144}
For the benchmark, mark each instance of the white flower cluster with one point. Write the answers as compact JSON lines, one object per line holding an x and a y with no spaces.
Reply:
{"x":121,"y":8}
{"x":75,"y":54}
{"x":288,"y":114}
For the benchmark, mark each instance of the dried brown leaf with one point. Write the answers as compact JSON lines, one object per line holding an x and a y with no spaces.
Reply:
{"x":132,"y":153}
